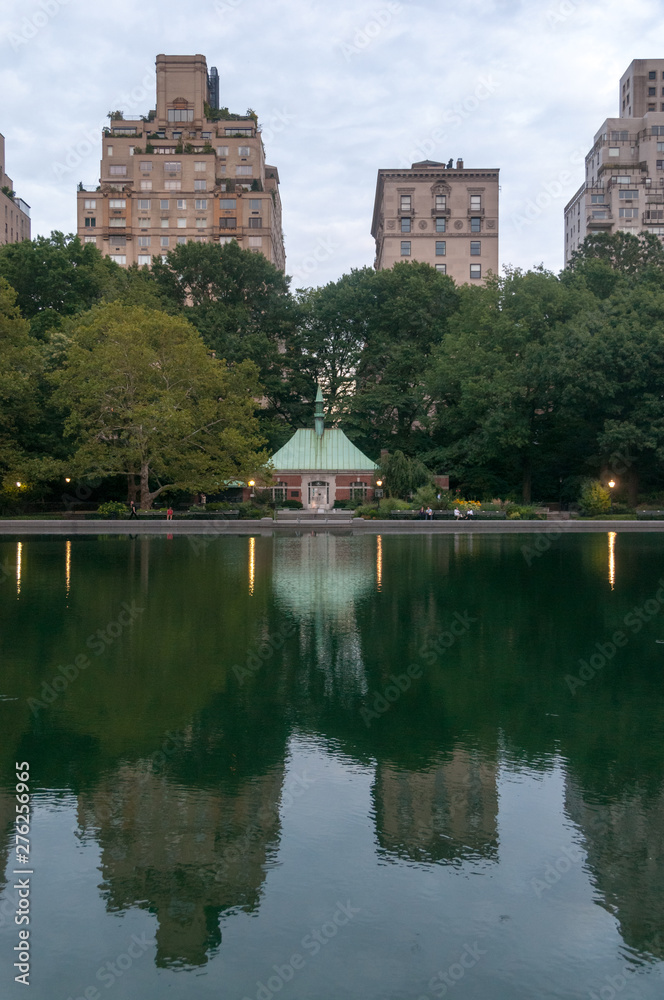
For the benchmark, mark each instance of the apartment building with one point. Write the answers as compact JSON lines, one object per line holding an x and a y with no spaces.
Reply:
{"x":623,"y":188}
{"x":443,"y":215}
{"x":14,"y":212}
{"x":188,"y":170}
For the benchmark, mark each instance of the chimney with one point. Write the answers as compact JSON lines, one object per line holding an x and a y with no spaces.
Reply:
{"x":459,"y":164}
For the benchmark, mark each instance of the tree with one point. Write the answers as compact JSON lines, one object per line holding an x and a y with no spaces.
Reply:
{"x":20,"y":367}
{"x":58,"y":276}
{"x":144,"y":397}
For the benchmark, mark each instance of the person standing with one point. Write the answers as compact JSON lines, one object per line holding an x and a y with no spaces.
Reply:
{"x":132,"y":509}
{"x":169,"y":514}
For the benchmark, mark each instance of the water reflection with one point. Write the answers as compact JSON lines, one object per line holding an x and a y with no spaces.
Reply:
{"x":19,"y":567}
{"x":612,"y":558}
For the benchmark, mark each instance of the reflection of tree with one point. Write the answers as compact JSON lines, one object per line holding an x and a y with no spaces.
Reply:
{"x":445,"y":812}
{"x":187,"y":854}
{"x":624,"y":838}
{"x":7,"y":818}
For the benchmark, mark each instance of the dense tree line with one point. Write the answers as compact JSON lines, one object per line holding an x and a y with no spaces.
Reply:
{"x":193,"y":371}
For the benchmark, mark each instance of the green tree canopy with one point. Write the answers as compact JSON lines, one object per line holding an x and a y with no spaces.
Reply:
{"x":145,"y":397}
{"x":20,"y":368}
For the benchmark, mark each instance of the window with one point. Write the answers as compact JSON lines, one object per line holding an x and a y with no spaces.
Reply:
{"x":228,"y":223}
{"x":628,"y":213}
{"x":255,"y":222}
{"x":201,"y":223}
{"x":144,"y":223}
{"x":181,"y":240}
{"x":475,"y":202}
{"x":91,"y":222}
{"x":358,"y":491}
{"x":405,"y":224}
{"x":181,"y":203}
{"x":597,"y":199}
{"x":475,"y":248}
{"x":441,"y":225}
{"x":182,"y":223}
{"x":117,"y":203}
{"x":442,"y":268}
{"x":600,"y":214}
{"x":658,"y":130}
{"x":90,"y":239}
{"x":146,"y":185}
{"x":199,"y":165}
{"x":255,"y":204}
{"x":660,"y":164}
{"x":118,"y":223}
{"x":652,"y":75}
{"x":200,"y":185}
{"x":441,"y":202}
{"x":200,"y":203}
{"x":238,"y":131}
{"x":172,"y":167}
{"x":206,"y":135}
{"x":243,"y":171}
{"x":475,"y":270}
{"x":227,"y":203}
{"x":200,"y":239}
{"x":143,"y":204}
{"x":441,"y":248}
{"x":622,"y":179}
{"x":180,"y":114}
{"x":172,"y":185}
{"x":652,"y":91}
{"x":405,"y":203}
{"x":163,"y":240}
{"x":164,"y":204}
{"x":244,"y":151}
{"x":144,"y":259}
{"x":614,"y":150}
{"x":222,"y":150}
{"x":405,"y":248}
{"x":255,"y":241}
{"x":619,"y":135}
{"x":226,"y":239}
{"x":651,"y":107}
{"x":144,"y":241}
{"x":145,"y":165}
{"x":628,"y":193}
{"x":118,"y":258}
{"x":476,"y":224}
{"x":117,"y":170}
{"x":109,"y":151}
{"x":90,"y":203}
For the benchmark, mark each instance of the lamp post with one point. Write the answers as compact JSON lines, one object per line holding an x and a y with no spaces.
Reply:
{"x":612,"y":485}
{"x":378,"y":492}
{"x":252,"y":483}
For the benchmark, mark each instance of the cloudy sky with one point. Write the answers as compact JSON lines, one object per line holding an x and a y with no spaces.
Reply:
{"x":341,"y":88}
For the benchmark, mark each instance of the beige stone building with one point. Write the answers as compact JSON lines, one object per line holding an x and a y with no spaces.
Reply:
{"x":624,"y":183}
{"x":186,"y":171}
{"x":14,"y":212}
{"x":443,"y":215}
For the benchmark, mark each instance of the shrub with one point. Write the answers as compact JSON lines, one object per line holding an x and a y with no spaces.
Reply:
{"x":213,"y":507}
{"x":249,"y":510}
{"x":388,"y":504}
{"x":290,"y":504}
{"x":367,"y":511}
{"x":112,"y":508}
{"x":594,"y":498}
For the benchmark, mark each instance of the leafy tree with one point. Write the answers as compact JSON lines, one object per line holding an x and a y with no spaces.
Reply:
{"x":144,"y":397}
{"x":58,"y":276}
{"x":403,"y":475}
{"x":622,"y":252}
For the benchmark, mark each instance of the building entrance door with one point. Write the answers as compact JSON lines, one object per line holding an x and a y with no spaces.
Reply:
{"x":319,"y":494}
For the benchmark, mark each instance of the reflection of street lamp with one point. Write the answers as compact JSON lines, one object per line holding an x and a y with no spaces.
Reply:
{"x":612,"y":484}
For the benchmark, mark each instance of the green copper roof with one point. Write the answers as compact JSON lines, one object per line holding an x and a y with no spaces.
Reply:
{"x":333,"y":452}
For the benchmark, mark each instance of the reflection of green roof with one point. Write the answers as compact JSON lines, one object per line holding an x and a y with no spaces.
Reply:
{"x":333,"y":452}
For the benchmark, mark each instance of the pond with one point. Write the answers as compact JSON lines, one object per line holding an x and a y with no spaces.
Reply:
{"x":318,"y":766}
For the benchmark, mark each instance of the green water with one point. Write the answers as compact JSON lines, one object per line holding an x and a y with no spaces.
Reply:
{"x":328,"y":767}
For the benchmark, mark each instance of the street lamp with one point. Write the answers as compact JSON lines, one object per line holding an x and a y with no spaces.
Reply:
{"x":612,"y":484}
{"x":378,"y":492}
{"x":19,"y":485}
{"x":252,"y":483}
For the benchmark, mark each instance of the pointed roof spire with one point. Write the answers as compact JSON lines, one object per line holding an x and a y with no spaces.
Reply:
{"x":319,"y":414}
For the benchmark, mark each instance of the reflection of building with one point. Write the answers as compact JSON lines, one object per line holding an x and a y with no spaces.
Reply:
{"x":443,"y":813}
{"x":14,"y":212}
{"x":623,"y":189}
{"x":187,"y":171}
{"x":187,"y":854}
{"x":321,"y":465}
{"x":624,"y":840}
{"x":443,"y":216}
{"x":7,"y":819}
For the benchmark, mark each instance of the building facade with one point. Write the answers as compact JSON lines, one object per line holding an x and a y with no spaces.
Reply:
{"x":14,"y":212}
{"x":623,"y":189}
{"x":442,"y":215}
{"x":187,"y":170}
{"x":322,"y":465}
